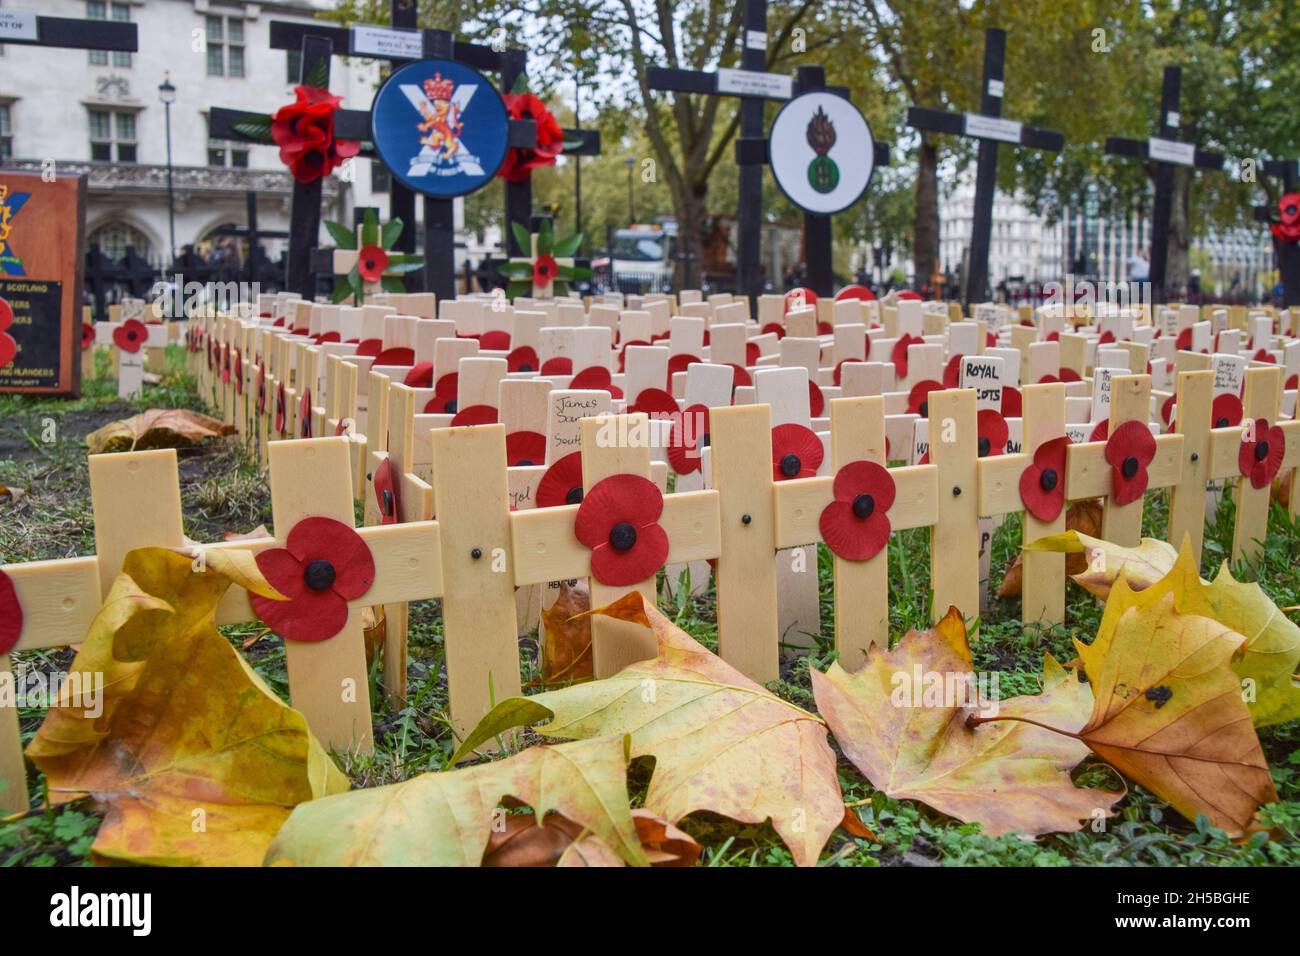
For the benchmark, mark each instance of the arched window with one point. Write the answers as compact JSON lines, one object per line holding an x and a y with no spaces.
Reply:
{"x":113,"y":238}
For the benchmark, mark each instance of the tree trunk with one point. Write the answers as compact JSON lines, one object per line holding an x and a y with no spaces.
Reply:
{"x":926,"y":225}
{"x":1177,"y":271}
{"x":689,"y":204}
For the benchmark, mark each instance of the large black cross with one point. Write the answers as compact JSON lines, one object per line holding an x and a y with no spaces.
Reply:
{"x":254,"y":264}
{"x":1288,"y":253}
{"x":753,"y":86}
{"x":990,"y":129}
{"x":73,"y":34}
{"x":1166,"y":151}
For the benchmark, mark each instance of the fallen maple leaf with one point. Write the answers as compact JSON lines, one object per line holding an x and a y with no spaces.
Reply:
{"x":1271,"y":658}
{"x":448,"y":818}
{"x":918,"y":747}
{"x":566,"y":649}
{"x":156,"y":428}
{"x":1169,"y":714}
{"x":196,"y":760}
{"x":561,"y":842}
{"x":720,"y":741}
{"x":1083,"y":516}
{"x":1140,"y":567}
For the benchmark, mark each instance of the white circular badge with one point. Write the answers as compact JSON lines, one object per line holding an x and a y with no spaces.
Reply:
{"x":822,"y":152}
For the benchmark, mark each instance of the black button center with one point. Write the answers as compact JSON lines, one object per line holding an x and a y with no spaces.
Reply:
{"x":1222,"y":423}
{"x":790,"y":465}
{"x":1048,"y":479}
{"x":622,"y":536}
{"x":1130,"y":467}
{"x":864,"y":505}
{"x":319,"y":575}
{"x":574,"y":495}
{"x":985,"y":446}
{"x":925,"y":409}
{"x":451,"y":407}
{"x":1261,"y":450}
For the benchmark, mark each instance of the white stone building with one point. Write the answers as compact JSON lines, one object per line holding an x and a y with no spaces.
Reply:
{"x":99,"y":112}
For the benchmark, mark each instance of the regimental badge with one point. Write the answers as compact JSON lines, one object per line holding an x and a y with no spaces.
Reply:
{"x":823,"y":174}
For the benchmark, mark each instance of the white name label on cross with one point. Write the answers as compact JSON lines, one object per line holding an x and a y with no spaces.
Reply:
{"x":1170,"y":151}
{"x":992,"y":127}
{"x":755,"y":83}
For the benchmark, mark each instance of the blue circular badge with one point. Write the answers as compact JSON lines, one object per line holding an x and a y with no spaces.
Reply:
{"x":440,"y":127}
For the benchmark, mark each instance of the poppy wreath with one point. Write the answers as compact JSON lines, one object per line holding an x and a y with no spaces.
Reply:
{"x":619,"y":521}
{"x":689,"y":433}
{"x":1260,"y":458}
{"x":444,"y":395}
{"x":1287,"y":229}
{"x":386,"y":492}
{"x":534,"y":276}
{"x":1129,"y":450}
{"x":899,"y":354}
{"x":525,"y":449}
{"x":323,"y":565}
{"x":561,"y":483}
{"x":377,"y":266}
{"x":130,"y":337}
{"x":304,"y":131}
{"x":855,"y":525}
{"x":1042,"y":484}
{"x":796,"y":452}
{"x":520,"y":161}
{"x":11,"y":614}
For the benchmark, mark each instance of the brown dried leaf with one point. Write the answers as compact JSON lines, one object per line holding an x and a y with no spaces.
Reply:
{"x":156,"y":428}
{"x":1083,"y":516}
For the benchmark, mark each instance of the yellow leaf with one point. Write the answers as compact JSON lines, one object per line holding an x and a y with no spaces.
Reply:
{"x":720,"y":741}
{"x":1169,"y":714}
{"x":195,"y":758}
{"x":446,"y":819}
{"x":1139,"y":567}
{"x":156,"y":428}
{"x":901,"y":719}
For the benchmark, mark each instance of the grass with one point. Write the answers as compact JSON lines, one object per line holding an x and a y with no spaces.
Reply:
{"x":220,"y":493}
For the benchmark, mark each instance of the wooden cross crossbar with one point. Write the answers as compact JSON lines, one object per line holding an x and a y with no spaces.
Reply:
{"x":990,"y":129}
{"x":74,"y":34}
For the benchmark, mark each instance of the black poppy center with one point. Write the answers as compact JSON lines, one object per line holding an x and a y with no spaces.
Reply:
{"x":525,"y":463}
{"x":319,"y":575}
{"x":622,"y":536}
{"x":574,"y":495}
{"x":925,"y":409}
{"x":1222,"y":422}
{"x":703,"y":442}
{"x":864,"y":505}
{"x":1130,"y":467}
{"x":526,"y":367}
{"x":1048,"y":479}
{"x":131,"y":336}
{"x":387,"y":495}
{"x":451,"y":407}
{"x":985,"y":446}
{"x":791,"y":465}
{"x":1261,"y":450}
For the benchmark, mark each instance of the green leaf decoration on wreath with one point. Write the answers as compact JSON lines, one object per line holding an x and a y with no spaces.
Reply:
{"x":376,"y":264}
{"x":255,"y":130}
{"x":520,"y":273}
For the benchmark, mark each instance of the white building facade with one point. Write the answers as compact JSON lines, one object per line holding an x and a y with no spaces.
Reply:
{"x":100,"y":113}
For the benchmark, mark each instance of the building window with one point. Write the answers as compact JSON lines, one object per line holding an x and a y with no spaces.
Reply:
{"x":293,"y":66}
{"x":103,"y":10}
{"x":112,"y":136}
{"x":114,"y":238}
{"x":381,"y":180}
{"x":223,"y":153}
{"x":225,"y":46}
{"x":6,"y":132}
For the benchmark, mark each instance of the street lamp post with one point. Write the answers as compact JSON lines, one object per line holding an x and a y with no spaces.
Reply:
{"x":167,"y":96}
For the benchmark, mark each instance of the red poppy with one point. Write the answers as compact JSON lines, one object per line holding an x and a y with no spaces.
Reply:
{"x":524,"y":448}
{"x":561,"y":483}
{"x":1042,"y":484}
{"x":752,"y":353}
{"x":239,"y":372}
{"x":799,"y":298}
{"x":545,"y":269}
{"x":656,"y":403}
{"x":1070,"y":375}
{"x":304,"y":131}
{"x":679,"y":363}
{"x":690,"y":433}
{"x":559,"y":365}
{"x":1012,"y":403}
{"x":993,"y":433}
{"x":990,"y":340}
{"x":952,"y":372}
{"x":918,"y":399}
{"x":399,"y":356}
{"x":324,"y":337}
{"x":386,"y":492}
{"x":371,"y":347}
{"x":521,"y":161}
{"x":523,"y":359}
{"x":855,"y":526}
{"x":1100,"y":431}
{"x":261,"y":389}
{"x":740,"y":376}
{"x":280,"y":409}
{"x":1288,"y":229}
{"x":1292,"y":383}
{"x":225,"y":364}
{"x":498,"y":340}
{"x":907,"y":295}
{"x":475,"y":415}
{"x":1106,"y":338}
{"x":839,"y":370}
{"x":596,"y":377}
{"x":444,"y":396}
{"x":1260,"y":458}
{"x":1167,"y":410}
{"x":88,"y":338}
{"x":1226,"y":411}
{"x":622,"y":353}
{"x":304,"y":414}
{"x":825,"y":328}
{"x":372,"y":262}
{"x":1129,"y":450}
{"x":816,"y":400}
{"x":619,"y":520}
{"x":1264,"y":355}
{"x":420,"y":375}
{"x":1052,"y":336}
{"x":796,"y":452}
{"x":776,"y":328}
{"x":899,"y":354}
{"x":130,"y":336}
{"x":855,"y":292}
{"x":11,"y":614}
{"x":323,"y":565}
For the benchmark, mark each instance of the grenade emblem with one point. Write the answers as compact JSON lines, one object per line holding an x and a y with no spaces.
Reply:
{"x":823,"y":174}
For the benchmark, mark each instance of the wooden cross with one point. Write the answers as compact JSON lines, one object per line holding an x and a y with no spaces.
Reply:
{"x":130,"y":363}
{"x":1288,"y":253}
{"x":31,"y":29}
{"x":1165,"y":151}
{"x":990,"y":129}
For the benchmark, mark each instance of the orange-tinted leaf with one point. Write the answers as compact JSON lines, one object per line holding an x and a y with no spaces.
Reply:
{"x":157,"y":428}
